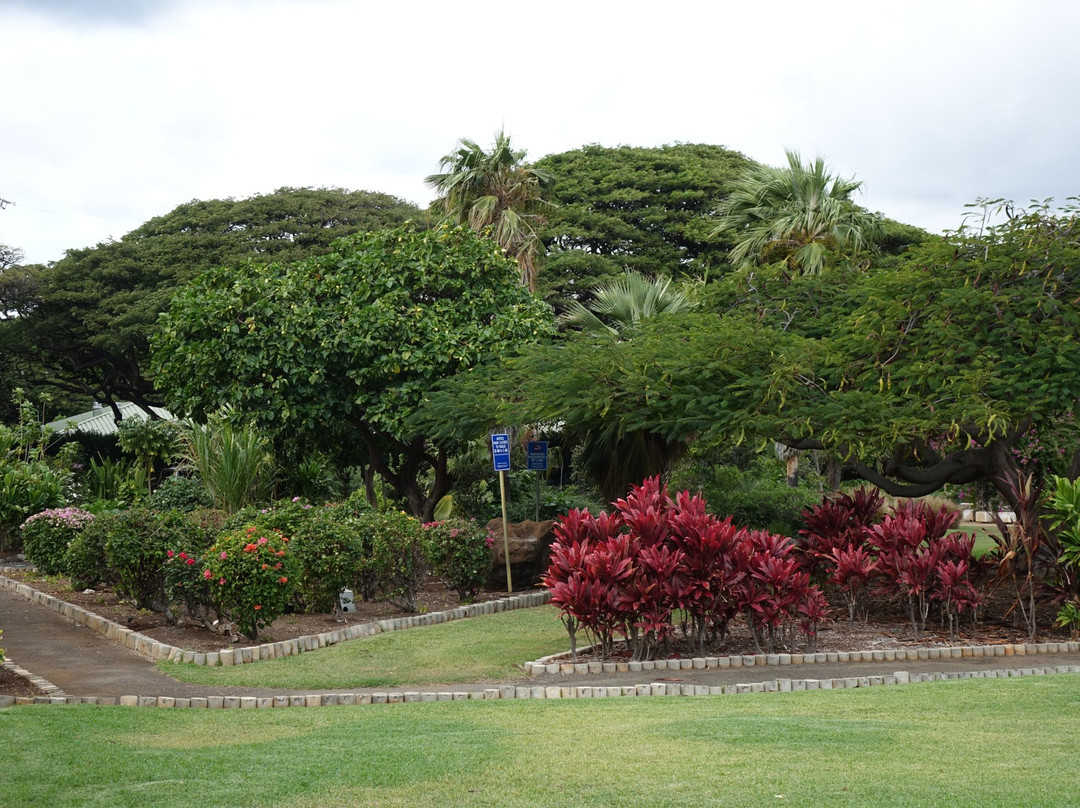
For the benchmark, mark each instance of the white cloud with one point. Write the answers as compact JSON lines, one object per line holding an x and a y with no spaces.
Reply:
{"x":120,"y":116}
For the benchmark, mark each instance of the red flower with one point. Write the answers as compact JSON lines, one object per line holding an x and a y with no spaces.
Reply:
{"x":169,"y":553}
{"x":257,"y":607}
{"x":206,"y":573}
{"x":282,"y":580}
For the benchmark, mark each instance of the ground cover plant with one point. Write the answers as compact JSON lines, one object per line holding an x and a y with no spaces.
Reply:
{"x":824,"y":748}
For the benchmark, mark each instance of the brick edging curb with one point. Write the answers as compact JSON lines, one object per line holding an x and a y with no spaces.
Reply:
{"x":557,"y":663}
{"x":154,"y":650}
{"x":504,"y":692}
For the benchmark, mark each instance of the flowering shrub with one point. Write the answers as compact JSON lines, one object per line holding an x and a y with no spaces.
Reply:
{"x":461,"y":553}
{"x":84,"y":559}
{"x":396,"y":555}
{"x":136,"y":544}
{"x":329,"y":555}
{"x":186,"y":583}
{"x":252,"y":572}
{"x":46,"y":536}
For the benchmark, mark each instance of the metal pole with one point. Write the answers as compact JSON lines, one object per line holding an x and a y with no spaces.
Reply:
{"x":506,"y":532}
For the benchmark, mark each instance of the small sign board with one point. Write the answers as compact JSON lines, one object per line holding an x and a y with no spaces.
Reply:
{"x":538,"y":455}
{"x":500,"y":452}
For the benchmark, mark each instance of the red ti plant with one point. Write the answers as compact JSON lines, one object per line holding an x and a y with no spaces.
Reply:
{"x":651,"y":597}
{"x":581,"y":600}
{"x":839,"y":522}
{"x":853,"y":568}
{"x":710,"y":569}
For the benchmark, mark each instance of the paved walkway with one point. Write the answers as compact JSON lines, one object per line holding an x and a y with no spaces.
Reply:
{"x":83,"y":664}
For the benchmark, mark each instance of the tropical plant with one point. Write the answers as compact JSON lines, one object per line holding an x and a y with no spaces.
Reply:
{"x":232,"y":459}
{"x":496,"y":189}
{"x":625,"y":301}
{"x":152,"y":441}
{"x":798,"y":214}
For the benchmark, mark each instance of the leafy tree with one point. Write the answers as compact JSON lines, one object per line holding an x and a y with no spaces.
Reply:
{"x":85,"y":321}
{"x":926,"y":373}
{"x":496,"y":189}
{"x":798,"y":214}
{"x":626,"y":208}
{"x":358,"y":336}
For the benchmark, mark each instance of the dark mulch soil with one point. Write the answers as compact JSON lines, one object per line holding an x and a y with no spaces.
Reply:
{"x":12,"y":684}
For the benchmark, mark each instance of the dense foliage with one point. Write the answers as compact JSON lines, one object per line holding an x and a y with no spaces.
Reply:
{"x":357,"y":336}
{"x":84,"y":321}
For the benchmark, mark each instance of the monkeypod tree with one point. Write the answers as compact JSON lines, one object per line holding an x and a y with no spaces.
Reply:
{"x":357,"y":336}
{"x":84,"y":322}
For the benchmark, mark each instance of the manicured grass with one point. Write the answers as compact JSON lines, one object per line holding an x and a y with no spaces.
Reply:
{"x":471,"y":650}
{"x":984,"y":541}
{"x":978,"y":743}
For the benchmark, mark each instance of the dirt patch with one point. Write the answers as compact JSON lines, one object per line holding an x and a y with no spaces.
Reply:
{"x":12,"y":684}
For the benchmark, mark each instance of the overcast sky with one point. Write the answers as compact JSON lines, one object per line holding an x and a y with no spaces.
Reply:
{"x":116,"y":111}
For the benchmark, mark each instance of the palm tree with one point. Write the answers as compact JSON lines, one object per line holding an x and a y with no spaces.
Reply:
{"x":615,"y":461}
{"x":496,"y":189}
{"x":795,"y":214}
{"x":626,"y":301}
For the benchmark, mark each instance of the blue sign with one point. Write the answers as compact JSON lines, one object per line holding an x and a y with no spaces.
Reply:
{"x":538,"y":455}
{"x":500,"y":452}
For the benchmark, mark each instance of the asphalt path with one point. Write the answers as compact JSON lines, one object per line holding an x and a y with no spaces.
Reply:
{"x":84,"y":664}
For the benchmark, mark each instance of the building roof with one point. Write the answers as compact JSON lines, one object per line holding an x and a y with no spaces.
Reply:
{"x":100,"y":420}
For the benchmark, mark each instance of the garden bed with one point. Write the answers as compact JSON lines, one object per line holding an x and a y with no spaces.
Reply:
{"x":191,"y":635}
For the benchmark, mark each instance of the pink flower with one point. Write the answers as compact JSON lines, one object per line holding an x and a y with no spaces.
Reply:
{"x":224,"y":555}
{"x":221,"y":582}
{"x":206,"y":573}
{"x":262,"y":540}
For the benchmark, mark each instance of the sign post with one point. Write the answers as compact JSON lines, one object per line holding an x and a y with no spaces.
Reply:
{"x":538,"y":461}
{"x":500,"y":454}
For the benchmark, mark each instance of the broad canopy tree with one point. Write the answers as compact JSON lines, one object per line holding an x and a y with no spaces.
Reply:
{"x":935,"y":370}
{"x":85,"y":320}
{"x":356,"y":336}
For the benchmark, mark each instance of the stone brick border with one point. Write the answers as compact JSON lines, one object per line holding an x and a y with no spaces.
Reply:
{"x":536,"y":692}
{"x":559,"y":664}
{"x":151,"y":648}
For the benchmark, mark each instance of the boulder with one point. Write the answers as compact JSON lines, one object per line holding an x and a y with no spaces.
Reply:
{"x":530,"y":550}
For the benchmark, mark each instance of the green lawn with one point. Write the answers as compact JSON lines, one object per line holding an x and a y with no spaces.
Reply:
{"x":472,"y":650}
{"x":984,"y":541}
{"x":978,"y":743}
